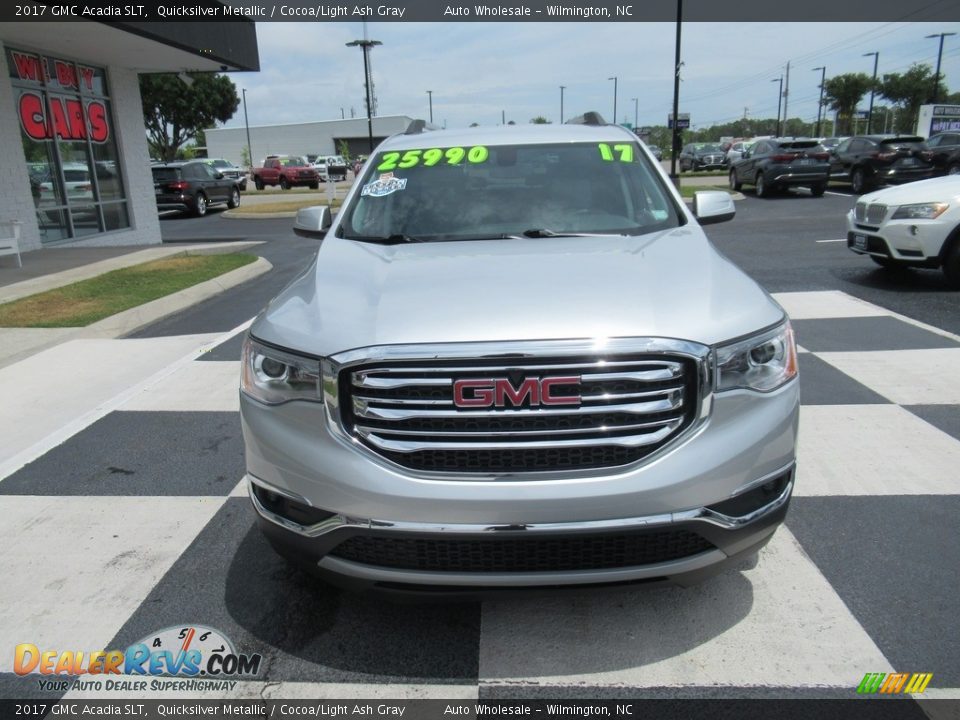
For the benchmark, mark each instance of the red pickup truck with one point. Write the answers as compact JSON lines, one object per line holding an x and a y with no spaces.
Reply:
{"x":285,"y":171}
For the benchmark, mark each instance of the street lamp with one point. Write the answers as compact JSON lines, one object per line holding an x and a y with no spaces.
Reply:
{"x":562,"y":88}
{"x":936,"y":78}
{"x":675,"y":139}
{"x":636,"y":112}
{"x":876,"y":57}
{"x":779,"y":101}
{"x":430,"y":95}
{"x":365,"y":45}
{"x":614,"y":78}
{"x":246,"y":124}
{"x":823,"y":80}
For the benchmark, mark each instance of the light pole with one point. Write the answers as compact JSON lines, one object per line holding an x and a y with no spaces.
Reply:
{"x":430,"y":95}
{"x":823,"y":80}
{"x":876,"y":58}
{"x":936,"y":78}
{"x":246,"y":124}
{"x":636,"y":113}
{"x":779,"y":101}
{"x":365,"y":45}
{"x":614,"y":78}
{"x":562,"y":88}
{"x":675,"y":139}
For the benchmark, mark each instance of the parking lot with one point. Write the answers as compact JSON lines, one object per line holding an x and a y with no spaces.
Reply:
{"x":123,"y":513}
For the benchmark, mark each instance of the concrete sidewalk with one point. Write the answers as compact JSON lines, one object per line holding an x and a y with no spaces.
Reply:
{"x":50,"y":268}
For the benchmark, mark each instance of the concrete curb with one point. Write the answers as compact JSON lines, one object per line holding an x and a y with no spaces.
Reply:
{"x":34,"y":340}
{"x":15,"y":291}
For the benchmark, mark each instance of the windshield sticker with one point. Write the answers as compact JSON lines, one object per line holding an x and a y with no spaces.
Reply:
{"x":622,"y":152}
{"x":433,"y":156}
{"x":384,"y":185}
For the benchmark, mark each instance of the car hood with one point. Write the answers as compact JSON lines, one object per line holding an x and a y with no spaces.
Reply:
{"x":670,"y":284}
{"x":942,"y":189}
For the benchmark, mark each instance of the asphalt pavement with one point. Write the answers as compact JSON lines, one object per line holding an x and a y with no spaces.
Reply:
{"x":133,"y":484}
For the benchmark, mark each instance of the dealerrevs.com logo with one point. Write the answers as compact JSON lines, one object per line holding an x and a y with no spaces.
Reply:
{"x":191,"y":652}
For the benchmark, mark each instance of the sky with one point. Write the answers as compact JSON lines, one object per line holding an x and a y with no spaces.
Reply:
{"x":480,"y":71}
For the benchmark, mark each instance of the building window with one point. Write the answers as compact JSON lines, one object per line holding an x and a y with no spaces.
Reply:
{"x":66,"y":125}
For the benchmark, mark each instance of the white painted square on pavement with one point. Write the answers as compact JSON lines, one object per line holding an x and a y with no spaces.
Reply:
{"x":906,"y":377}
{"x":873,"y":450}
{"x":778,"y":624}
{"x":825,"y":304}
{"x":78,"y":567}
{"x":197,"y":386}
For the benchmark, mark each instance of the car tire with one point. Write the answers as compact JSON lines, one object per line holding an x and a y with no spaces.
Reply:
{"x":858,"y":181}
{"x":951,"y":265}
{"x":258,"y":183}
{"x":953,"y":169}
{"x":734,"y":183}
{"x":315,"y":186}
{"x":200,"y":205}
{"x":284,"y":183}
{"x":763,"y":190}
{"x":234,"y":201}
{"x":818,"y":190}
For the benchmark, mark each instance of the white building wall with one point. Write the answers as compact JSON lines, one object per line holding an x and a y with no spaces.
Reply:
{"x":16,"y":202}
{"x":296,"y":139}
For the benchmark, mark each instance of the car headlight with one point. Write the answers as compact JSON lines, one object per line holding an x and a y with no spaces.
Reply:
{"x":763,"y":362}
{"x":920,"y":211}
{"x":273,"y":376}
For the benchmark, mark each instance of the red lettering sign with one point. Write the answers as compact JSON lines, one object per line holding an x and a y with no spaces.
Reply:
{"x":66,"y":75}
{"x":69,"y":119}
{"x":28,"y":67}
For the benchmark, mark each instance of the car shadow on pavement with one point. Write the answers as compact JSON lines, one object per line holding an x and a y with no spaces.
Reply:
{"x":924,"y":280}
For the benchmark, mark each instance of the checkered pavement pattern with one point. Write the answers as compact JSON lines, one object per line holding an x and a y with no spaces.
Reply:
{"x":121,"y":513}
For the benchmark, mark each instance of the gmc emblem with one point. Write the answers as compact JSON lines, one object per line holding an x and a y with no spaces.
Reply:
{"x":497,"y":392}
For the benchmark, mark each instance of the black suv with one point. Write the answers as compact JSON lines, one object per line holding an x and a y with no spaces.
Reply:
{"x":868,"y":161}
{"x":192,"y":186}
{"x":701,"y":156}
{"x":782,"y":162}
{"x":943,"y":150}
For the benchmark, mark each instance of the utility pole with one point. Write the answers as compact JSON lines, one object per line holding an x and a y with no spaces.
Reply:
{"x":246,"y":124}
{"x":430,"y":95}
{"x":675,"y":141}
{"x":936,"y":78}
{"x":786,"y":97}
{"x":636,"y":113}
{"x":365,"y":46}
{"x":614,"y":78}
{"x":823,"y":80}
{"x":779,"y":101}
{"x":562,"y":88}
{"x":876,"y":57}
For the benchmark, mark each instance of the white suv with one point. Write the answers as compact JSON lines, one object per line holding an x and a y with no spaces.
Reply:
{"x":912,"y":225}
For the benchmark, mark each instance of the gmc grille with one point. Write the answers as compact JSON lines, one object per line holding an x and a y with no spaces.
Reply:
{"x":629,"y":407}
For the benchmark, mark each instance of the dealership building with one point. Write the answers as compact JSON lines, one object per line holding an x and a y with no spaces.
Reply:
{"x":325,"y":137}
{"x":72,"y":140}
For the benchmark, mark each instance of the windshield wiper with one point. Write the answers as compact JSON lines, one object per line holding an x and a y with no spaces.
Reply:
{"x":548,"y":233}
{"x":394,"y":239}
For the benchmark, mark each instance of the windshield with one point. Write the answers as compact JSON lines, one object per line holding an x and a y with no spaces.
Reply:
{"x":293,"y":162}
{"x":483,"y":192}
{"x":703,"y":148}
{"x":219,"y":163}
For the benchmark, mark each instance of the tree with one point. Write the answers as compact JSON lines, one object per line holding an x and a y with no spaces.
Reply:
{"x":343,"y":147}
{"x":843,"y":93}
{"x":540,"y":120}
{"x":175,"y":112}
{"x":908,"y":91}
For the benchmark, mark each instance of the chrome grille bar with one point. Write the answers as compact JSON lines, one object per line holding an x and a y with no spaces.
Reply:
{"x":448,"y":402}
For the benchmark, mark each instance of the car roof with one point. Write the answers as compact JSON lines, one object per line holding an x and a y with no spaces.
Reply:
{"x":509,"y":135}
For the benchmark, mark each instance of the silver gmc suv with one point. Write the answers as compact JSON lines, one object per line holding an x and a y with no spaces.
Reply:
{"x":516,"y":360}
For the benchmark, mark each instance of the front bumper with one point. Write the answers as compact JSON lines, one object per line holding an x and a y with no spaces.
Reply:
{"x":747,"y":442}
{"x":910,"y":240}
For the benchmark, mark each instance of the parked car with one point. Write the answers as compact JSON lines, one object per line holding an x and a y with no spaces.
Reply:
{"x":287,"y":171}
{"x":336,"y":167}
{"x":831,"y":142}
{"x":193,"y":186}
{"x":478,"y":447}
{"x":701,"y":156}
{"x":914,"y":225}
{"x":781,"y":163}
{"x":736,"y":150}
{"x":657,"y":152}
{"x":229,"y":170}
{"x":867,"y":161}
{"x":943,"y":151}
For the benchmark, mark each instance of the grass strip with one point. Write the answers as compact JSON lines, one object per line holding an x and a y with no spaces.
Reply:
{"x":88,"y":301}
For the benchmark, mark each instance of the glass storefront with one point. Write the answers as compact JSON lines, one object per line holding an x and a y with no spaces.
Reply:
{"x":66,"y":125}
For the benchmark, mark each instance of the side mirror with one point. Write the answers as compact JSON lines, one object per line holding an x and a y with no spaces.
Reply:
{"x":313,"y":222}
{"x":745,"y":154}
{"x":713,"y":206}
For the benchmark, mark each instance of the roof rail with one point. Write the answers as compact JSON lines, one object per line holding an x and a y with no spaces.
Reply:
{"x":588,"y":118}
{"x":416,"y":127}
